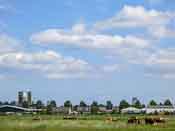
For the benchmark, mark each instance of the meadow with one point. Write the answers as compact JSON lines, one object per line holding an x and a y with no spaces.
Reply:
{"x":88,"y":123}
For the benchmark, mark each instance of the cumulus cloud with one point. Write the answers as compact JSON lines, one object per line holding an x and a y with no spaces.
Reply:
{"x":161,"y":63}
{"x":154,"y":21}
{"x":162,"y":32}
{"x":49,"y":63}
{"x":52,"y":65}
{"x":86,"y":40}
{"x":111,"y":68}
{"x":136,"y":16}
{"x":8,"y":44}
{"x":130,"y":47}
{"x":134,"y":49}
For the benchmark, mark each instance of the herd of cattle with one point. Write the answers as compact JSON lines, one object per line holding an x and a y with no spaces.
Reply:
{"x":146,"y":120}
{"x":131,"y":120}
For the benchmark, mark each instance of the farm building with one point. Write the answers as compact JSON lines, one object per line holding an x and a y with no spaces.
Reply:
{"x":158,"y":109}
{"x":131,"y":110}
{"x":16,"y":109}
{"x":64,"y":110}
{"x":86,"y":109}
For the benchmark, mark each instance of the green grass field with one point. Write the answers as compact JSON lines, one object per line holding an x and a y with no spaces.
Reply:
{"x":92,"y":123}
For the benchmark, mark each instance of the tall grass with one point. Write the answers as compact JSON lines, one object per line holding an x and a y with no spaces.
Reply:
{"x":93,"y":123}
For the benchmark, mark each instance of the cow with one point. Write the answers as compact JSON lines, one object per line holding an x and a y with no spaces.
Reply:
{"x":70,"y":118}
{"x":153,"y":121}
{"x":159,"y":120}
{"x":108,"y":120}
{"x":37,"y":118}
{"x":134,"y":120}
{"x":149,"y":121}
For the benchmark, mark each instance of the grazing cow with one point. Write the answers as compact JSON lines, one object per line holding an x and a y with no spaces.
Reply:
{"x":108,"y":119}
{"x":149,"y":121}
{"x":70,"y":118}
{"x":159,"y":120}
{"x":134,"y":120}
{"x":153,"y":121}
{"x":37,"y":118}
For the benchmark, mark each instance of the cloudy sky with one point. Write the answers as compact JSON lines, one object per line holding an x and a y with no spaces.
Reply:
{"x":88,"y":50}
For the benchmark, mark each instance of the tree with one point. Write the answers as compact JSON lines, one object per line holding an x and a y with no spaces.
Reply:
{"x":39,"y":104}
{"x":152,"y":103}
{"x":49,"y":109}
{"x":53,"y":103}
{"x":83,"y":104}
{"x":13,"y":103}
{"x":123,"y":104}
{"x":109,"y":105}
{"x":6,"y":103}
{"x":67,"y":103}
{"x":160,"y":104}
{"x":137,"y":104}
{"x":94,"y":107}
{"x":168,"y":103}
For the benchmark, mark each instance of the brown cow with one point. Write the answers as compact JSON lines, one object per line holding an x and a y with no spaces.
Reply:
{"x":159,"y":120}
{"x":149,"y":121}
{"x":134,"y":120}
{"x":70,"y":118}
{"x":37,"y":118}
{"x":153,"y":121}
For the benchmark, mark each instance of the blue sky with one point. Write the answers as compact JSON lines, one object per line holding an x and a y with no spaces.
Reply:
{"x":87,"y":50}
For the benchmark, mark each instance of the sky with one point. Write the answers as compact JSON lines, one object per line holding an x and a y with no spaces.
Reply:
{"x":88,"y":50}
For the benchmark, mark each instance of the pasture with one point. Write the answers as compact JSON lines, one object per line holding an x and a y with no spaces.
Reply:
{"x":83,"y":123}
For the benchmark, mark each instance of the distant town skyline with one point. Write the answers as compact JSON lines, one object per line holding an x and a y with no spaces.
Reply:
{"x":88,"y":50}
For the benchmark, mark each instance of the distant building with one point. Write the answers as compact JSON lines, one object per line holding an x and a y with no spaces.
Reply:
{"x":158,"y":109}
{"x":8,"y":109}
{"x":64,"y":110}
{"x":115,"y":109}
{"x":85,"y":109}
{"x":131,"y":110}
{"x":24,"y":96}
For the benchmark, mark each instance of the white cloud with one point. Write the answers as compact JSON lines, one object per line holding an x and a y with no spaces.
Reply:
{"x":161,"y":63}
{"x":53,"y":65}
{"x":162,"y":32}
{"x":79,"y":36}
{"x":8,"y":44}
{"x":134,"y":49}
{"x":48,"y":63}
{"x":111,"y":68}
{"x":136,"y":16}
{"x":153,"y":21}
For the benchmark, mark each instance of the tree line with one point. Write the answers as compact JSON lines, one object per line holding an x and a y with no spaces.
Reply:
{"x":94,"y":106}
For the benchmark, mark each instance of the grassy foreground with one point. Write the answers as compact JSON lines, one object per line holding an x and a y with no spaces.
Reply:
{"x":55,"y":123}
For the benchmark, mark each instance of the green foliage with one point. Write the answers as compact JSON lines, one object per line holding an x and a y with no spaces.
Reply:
{"x":94,"y":107}
{"x":51,"y":105}
{"x":83,"y":104}
{"x":109,"y":105}
{"x":123,"y":104}
{"x":152,"y":103}
{"x":67,"y":103}
{"x":138,"y":104}
{"x":39,"y":104}
{"x":168,"y":103}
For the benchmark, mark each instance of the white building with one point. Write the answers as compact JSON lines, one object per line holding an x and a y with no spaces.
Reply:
{"x":158,"y":109}
{"x":131,"y":110}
